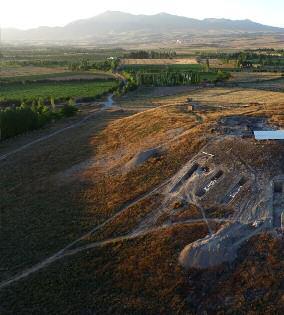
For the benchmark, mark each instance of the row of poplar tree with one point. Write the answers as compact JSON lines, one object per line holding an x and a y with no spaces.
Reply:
{"x":18,"y":120}
{"x":167,"y":78}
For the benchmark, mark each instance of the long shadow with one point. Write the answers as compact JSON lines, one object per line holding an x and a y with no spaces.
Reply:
{"x":40,"y":213}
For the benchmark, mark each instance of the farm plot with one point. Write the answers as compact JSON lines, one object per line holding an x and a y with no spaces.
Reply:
{"x":57,"y":76}
{"x":12,"y":72}
{"x":64,"y":90}
{"x":222,"y":64}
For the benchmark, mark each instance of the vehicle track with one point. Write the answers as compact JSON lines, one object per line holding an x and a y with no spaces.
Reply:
{"x":118,"y":213}
{"x":141,"y":230}
{"x":77,"y":124}
{"x":61,"y":253}
{"x":67,"y":253}
{"x":145,"y":227}
{"x":107,"y":105}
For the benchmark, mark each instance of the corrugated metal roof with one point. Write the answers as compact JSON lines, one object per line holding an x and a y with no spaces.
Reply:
{"x":269,"y":135}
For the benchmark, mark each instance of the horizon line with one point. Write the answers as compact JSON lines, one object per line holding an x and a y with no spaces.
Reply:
{"x":140,"y":14}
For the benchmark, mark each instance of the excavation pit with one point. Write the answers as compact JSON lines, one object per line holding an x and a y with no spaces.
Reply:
{"x":278,"y":187}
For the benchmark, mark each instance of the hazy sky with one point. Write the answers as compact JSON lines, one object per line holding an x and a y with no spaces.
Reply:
{"x":32,"y":13}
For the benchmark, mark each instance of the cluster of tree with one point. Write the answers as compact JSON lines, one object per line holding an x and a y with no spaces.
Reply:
{"x":130,"y":84}
{"x":18,"y":120}
{"x":249,"y":58}
{"x":167,"y":78}
{"x":110,"y":64}
{"x":249,"y":54}
{"x":143,"y":54}
{"x":222,"y":76}
{"x":82,"y":65}
{"x":268,"y":50}
{"x":85,"y":65}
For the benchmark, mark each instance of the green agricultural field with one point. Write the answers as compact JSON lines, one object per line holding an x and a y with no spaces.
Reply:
{"x":64,"y":90}
{"x":22,"y":75}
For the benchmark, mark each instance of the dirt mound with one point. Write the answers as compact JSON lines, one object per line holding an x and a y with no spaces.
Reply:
{"x":142,"y":157}
{"x":217,"y":249}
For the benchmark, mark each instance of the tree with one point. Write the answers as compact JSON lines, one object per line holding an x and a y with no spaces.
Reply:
{"x":52,"y":103}
{"x":207,"y":66}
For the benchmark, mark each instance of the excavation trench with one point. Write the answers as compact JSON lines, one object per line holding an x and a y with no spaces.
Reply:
{"x":213,"y":181}
{"x":185,"y":177}
{"x":231,"y":195}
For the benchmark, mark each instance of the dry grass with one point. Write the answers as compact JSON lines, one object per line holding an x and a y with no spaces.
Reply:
{"x":39,"y":216}
{"x":237,"y":96}
{"x":253,"y":76}
{"x":29,"y":70}
{"x":127,"y":277}
{"x":142,"y":131}
{"x":127,"y":220}
{"x":218,"y":63}
{"x":141,"y":276}
{"x":185,"y":61}
{"x":124,"y":138}
{"x":276,"y":85}
{"x":103,"y":189}
{"x":191,"y":212}
{"x":252,"y":285}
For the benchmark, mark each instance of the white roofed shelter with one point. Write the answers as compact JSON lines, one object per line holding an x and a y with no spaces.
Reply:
{"x":269,"y":135}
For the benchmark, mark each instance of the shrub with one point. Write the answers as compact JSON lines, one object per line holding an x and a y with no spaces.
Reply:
{"x":68,"y":110}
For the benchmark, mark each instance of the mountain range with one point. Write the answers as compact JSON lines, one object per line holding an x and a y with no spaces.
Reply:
{"x":118,"y":26}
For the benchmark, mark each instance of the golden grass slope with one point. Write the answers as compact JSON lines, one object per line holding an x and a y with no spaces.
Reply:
{"x":128,"y":277}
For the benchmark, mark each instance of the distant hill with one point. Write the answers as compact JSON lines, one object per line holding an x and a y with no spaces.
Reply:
{"x":114,"y":26}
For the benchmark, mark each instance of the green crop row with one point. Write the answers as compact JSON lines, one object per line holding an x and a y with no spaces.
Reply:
{"x":63,"y":90}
